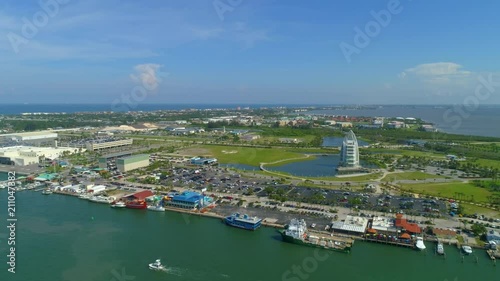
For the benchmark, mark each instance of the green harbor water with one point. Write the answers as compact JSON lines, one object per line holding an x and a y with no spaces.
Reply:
{"x":65,"y":238}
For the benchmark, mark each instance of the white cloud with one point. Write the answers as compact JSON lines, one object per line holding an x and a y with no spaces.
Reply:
{"x":436,"y":73}
{"x":148,"y":75}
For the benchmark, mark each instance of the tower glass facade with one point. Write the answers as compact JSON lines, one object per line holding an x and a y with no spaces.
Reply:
{"x":349,"y":154}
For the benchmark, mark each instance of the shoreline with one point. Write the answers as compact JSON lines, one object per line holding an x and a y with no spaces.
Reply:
{"x":214,"y":215}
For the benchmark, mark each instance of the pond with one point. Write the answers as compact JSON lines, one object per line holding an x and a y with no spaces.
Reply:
{"x":324,"y":165}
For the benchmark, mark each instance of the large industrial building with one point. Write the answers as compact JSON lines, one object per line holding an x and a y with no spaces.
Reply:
{"x":349,"y":155}
{"x":27,"y":155}
{"x":107,"y":143}
{"x":133,"y":162}
{"x":31,"y":136}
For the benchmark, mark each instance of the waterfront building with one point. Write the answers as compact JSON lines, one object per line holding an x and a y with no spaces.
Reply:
{"x":351,"y":225}
{"x":383,"y":225}
{"x":349,"y":154}
{"x":402,"y":224}
{"x":189,"y":200}
{"x":133,"y":162}
{"x":493,"y":236}
{"x":141,"y":195}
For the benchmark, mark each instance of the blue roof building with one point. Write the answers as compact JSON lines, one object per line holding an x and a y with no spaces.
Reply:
{"x":189,"y":200}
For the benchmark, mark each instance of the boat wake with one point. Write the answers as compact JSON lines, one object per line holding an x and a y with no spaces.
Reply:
{"x":193,"y":275}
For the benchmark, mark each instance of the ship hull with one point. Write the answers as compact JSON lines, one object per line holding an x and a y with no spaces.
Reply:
{"x":292,"y":240}
{"x":136,"y":206}
{"x":245,"y":226}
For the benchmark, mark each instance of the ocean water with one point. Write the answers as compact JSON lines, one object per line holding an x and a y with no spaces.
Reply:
{"x":483,"y":121}
{"x":64,"y":238}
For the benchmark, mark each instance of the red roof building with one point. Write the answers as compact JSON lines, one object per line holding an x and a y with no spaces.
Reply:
{"x":141,"y":195}
{"x":404,"y":224}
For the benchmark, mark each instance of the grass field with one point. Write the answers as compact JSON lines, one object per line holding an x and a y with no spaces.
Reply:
{"x":473,"y":209}
{"x":488,"y":163}
{"x":410,"y":176}
{"x":250,"y":155}
{"x":450,"y":190}
{"x":421,"y":154}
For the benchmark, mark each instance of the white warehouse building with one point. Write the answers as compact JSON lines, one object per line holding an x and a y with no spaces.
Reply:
{"x":27,"y":155}
{"x":31,"y":136}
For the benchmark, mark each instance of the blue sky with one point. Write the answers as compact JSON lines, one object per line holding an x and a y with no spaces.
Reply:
{"x":242,"y":51}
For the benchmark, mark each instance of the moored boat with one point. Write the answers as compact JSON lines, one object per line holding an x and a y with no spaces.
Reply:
{"x":47,"y":192}
{"x":118,"y":204}
{"x":136,"y":205}
{"x":467,"y":249}
{"x":440,"y":248}
{"x":296,"y":232}
{"x":101,"y":199}
{"x":156,"y":208}
{"x":245,"y":221}
{"x":420,"y":244}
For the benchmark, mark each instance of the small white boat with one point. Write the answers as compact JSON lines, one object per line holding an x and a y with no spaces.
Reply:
{"x":119,"y":204}
{"x":420,"y":244}
{"x":47,"y":192}
{"x":101,"y":199}
{"x":157,"y":208}
{"x":440,"y":249}
{"x":467,"y":249}
{"x":85,"y":196}
{"x":157,"y":266}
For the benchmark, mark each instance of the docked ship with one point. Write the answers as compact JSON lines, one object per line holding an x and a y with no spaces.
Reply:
{"x":136,"y":205}
{"x":245,"y":221}
{"x":296,"y":232}
{"x":101,"y":199}
{"x":440,"y":248}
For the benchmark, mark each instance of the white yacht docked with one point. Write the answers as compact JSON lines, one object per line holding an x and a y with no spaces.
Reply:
{"x":118,"y":204}
{"x":420,"y":244}
{"x":467,"y":249}
{"x":157,"y":208}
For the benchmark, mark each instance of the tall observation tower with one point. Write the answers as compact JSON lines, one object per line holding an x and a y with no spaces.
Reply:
{"x":349,"y":154}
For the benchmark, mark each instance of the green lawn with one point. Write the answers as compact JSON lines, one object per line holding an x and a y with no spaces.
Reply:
{"x":473,"y":209}
{"x":410,"y":176}
{"x":421,"y":154}
{"x":250,"y":155}
{"x":488,"y":163}
{"x":450,"y":190}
